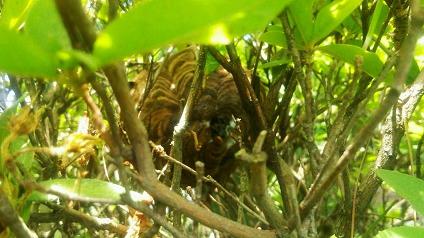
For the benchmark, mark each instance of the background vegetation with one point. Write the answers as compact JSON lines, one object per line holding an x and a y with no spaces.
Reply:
{"x":331,"y":89}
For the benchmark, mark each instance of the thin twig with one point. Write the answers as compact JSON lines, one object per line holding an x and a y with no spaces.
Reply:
{"x":98,"y":223}
{"x":181,"y":127}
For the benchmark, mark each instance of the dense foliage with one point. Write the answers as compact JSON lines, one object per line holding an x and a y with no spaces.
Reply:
{"x":188,"y":118}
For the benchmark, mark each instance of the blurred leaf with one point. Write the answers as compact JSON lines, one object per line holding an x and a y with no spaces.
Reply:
{"x":301,"y":12}
{"x":20,"y":55}
{"x":274,"y":63}
{"x":4,"y":122}
{"x":414,"y":70}
{"x":184,"y":21}
{"x":14,"y":13}
{"x":84,"y":189}
{"x":406,"y":186}
{"x":211,"y":64}
{"x":330,"y":16}
{"x":45,"y":27}
{"x":26,"y":159}
{"x":371,"y":64}
{"x":274,"y":36}
{"x":401,"y":232}
{"x":351,"y":25}
{"x":374,"y":21}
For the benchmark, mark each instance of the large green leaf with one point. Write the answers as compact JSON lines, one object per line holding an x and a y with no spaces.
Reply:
{"x":14,"y":13}
{"x":301,"y":12}
{"x":45,"y":27}
{"x":407,"y":186}
{"x":371,"y":64}
{"x":20,"y":55}
{"x":401,"y":232}
{"x":330,"y":16}
{"x":153,"y":24}
{"x":84,"y":189}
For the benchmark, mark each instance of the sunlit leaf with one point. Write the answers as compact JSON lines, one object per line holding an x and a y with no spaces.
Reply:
{"x":374,"y":20}
{"x":14,"y":13}
{"x":85,"y":189}
{"x":401,"y":232}
{"x":301,"y":12}
{"x":406,"y":186}
{"x":330,"y":16}
{"x":371,"y":64}
{"x":45,"y":27}
{"x":22,"y":56}
{"x":153,"y":24}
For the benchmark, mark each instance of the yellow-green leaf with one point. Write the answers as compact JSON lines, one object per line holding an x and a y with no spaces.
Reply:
{"x":330,"y":16}
{"x":406,"y":186}
{"x":20,"y":55}
{"x":153,"y":24}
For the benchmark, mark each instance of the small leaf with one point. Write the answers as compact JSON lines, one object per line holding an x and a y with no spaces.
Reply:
{"x":22,"y":56}
{"x":406,"y":186}
{"x":401,"y":232}
{"x":83,"y":189}
{"x":45,"y":27}
{"x":4,"y":121}
{"x":371,"y":64}
{"x":211,"y":64}
{"x":183,"y":21}
{"x":301,"y":12}
{"x":26,"y":159}
{"x":274,"y":63}
{"x":380,"y":10}
{"x":414,"y":70}
{"x":330,"y":16}
{"x":274,"y":36}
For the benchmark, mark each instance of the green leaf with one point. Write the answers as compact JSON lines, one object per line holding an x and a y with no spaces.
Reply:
{"x":274,"y":36}
{"x":84,"y":189}
{"x":153,"y":24}
{"x":371,"y":64}
{"x":401,"y":232}
{"x":414,"y":70}
{"x":330,"y":16}
{"x":275,"y":63}
{"x":20,"y":55}
{"x":45,"y":27}
{"x":373,"y":25}
{"x":406,"y":186}
{"x":211,"y":64}
{"x":4,"y":122}
{"x":301,"y":12}
{"x":14,"y":13}
{"x":26,"y":159}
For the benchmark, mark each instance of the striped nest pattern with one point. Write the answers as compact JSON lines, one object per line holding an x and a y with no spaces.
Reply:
{"x":209,"y":137}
